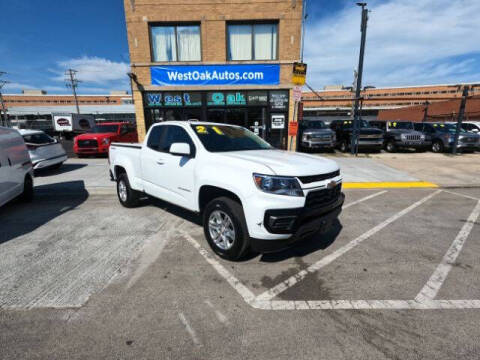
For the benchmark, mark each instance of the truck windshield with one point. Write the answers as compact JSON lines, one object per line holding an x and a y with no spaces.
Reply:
{"x":102,"y":129}
{"x":219,"y":138}
{"x":315,"y":125}
{"x":406,"y":125}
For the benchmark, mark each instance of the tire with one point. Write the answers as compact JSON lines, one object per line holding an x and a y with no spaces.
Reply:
{"x":437,"y":146}
{"x":225,"y":212}
{"x":27,"y":194}
{"x":343,"y":146}
{"x":390,"y":146}
{"x":126,"y":195}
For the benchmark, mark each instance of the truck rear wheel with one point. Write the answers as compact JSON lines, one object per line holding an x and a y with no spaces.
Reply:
{"x":225,"y":228}
{"x":126,"y":195}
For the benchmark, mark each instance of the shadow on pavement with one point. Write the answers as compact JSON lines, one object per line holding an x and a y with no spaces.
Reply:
{"x":63,"y":169}
{"x":316,"y":242}
{"x":319,"y":241}
{"x":19,"y":218}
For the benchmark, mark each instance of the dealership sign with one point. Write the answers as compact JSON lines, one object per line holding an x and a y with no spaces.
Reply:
{"x":237,"y":74}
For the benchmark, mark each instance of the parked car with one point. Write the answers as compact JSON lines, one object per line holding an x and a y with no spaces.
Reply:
{"x":98,"y":140}
{"x":471,"y":126}
{"x":45,"y":151}
{"x":16,"y":171}
{"x":402,"y":135}
{"x":314,"y":134}
{"x":443,"y":137}
{"x":250,"y":194}
{"x":370,"y":138}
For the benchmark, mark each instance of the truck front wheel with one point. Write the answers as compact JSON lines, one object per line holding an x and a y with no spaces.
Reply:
{"x":126,"y":195}
{"x":225,"y":228}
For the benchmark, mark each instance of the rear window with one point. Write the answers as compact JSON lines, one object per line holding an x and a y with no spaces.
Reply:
{"x":38,"y":139}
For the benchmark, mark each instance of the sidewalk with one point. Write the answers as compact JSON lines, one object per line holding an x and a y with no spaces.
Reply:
{"x":365,"y":171}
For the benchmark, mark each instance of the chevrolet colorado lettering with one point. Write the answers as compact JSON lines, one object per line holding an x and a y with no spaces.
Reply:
{"x":249,"y":194}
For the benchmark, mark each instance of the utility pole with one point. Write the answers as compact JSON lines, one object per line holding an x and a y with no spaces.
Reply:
{"x":4,"y":116}
{"x":72,"y":82}
{"x":356,"y":120}
{"x":304,"y":18}
{"x":461,"y":114}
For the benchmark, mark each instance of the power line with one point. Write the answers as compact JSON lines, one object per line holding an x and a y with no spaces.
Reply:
{"x":72,"y":82}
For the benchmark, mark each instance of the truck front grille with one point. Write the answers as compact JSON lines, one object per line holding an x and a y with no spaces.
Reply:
{"x":315,"y":178}
{"x":413,"y":137}
{"x":87,"y":143}
{"x":323,"y":197}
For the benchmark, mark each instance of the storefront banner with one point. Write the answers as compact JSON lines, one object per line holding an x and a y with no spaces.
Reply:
{"x":243,"y":74}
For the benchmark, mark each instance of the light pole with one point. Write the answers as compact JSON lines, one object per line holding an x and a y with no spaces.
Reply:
{"x":356,"y":122}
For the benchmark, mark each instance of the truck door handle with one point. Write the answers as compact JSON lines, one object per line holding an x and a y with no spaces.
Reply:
{"x":160,"y":162}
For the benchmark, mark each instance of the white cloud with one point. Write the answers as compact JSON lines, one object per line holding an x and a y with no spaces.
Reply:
{"x":16,"y":86}
{"x":105,"y":73}
{"x":408,"y":42}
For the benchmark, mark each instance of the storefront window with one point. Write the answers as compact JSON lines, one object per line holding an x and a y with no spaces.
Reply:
{"x":172,"y":99}
{"x":192,"y":99}
{"x":252,"y":41}
{"x":215,"y":99}
{"x":176,"y":43}
{"x":236,"y":98}
{"x":257,"y":98}
{"x":279,"y":100}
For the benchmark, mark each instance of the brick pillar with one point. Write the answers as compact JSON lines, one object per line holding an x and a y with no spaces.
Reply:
{"x":139,"y":114}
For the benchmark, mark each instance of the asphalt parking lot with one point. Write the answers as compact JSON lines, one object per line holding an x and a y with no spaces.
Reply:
{"x":397,"y":278}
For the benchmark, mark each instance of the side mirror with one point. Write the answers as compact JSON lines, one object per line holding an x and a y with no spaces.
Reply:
{"x":181,"y":149}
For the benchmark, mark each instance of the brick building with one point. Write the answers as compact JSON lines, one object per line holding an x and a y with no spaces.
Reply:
{"x":34,"y":108}
{"x":225,"y":61}
{"x":437,"y":111}
{"x":339,"y":102}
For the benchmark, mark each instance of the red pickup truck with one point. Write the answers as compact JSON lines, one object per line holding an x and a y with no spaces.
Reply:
{"x":98,"y":140}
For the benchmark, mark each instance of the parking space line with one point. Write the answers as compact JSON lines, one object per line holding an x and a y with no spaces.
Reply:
{"x":220,"y":316}
{"x":460,"y":194}
{"x":247,"y":295}
{"x":366,"y":304}
{"x":291,"y":281}
{"x":364,"y":199}
{"x":189,"y":329}
{"x":433,"y":285}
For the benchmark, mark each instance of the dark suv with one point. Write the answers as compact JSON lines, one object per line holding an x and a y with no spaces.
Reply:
{"x":314,"y":134}
{"x":443,"y":137}
{"x":402,"y":135}
{"x":369,"y":138}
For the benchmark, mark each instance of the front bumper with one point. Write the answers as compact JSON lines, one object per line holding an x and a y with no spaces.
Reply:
{"x":413,"y":144}
{"x":319,"y":144}
{"x":90,"y":150}
{"x":301,"y":223}
{"x":45,"y":163}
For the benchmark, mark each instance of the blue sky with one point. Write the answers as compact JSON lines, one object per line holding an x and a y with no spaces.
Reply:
{"x":409,"y":42}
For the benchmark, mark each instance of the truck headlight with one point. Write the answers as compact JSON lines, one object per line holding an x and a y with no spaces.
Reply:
{"x":105,"y":141}
{"x":280,"y":185}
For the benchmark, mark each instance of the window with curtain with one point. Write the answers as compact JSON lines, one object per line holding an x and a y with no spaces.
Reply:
{"x":252,"y":41}
{"x":176,"y":43}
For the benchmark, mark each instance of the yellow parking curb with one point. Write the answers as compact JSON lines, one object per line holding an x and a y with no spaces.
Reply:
{"x":389,"y":185}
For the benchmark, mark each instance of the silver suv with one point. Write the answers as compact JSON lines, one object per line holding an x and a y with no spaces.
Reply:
{"x":315,"y":134}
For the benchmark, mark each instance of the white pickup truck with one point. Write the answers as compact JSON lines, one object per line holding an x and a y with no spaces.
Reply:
{"x":250,"y":195}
